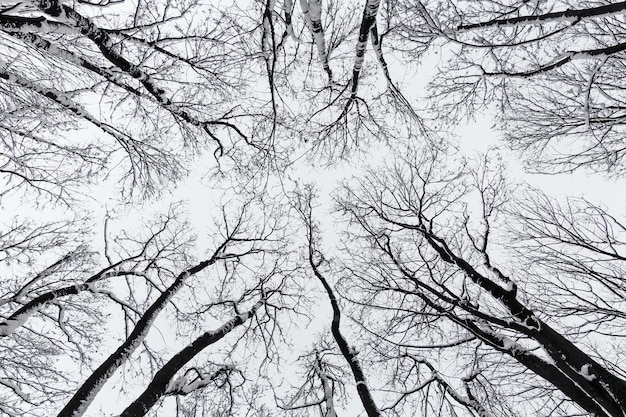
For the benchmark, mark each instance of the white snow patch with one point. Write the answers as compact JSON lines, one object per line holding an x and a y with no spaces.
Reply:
{"x":15,"y":388}
{"x":508,"y":286}
{"x":548,"y":358}
{"x":587,"y":55}
{"x":10,"y":325}
{"x":584,"y":371}
{"x":510,"y":344}
{"x":176,"y":384}
{"x":109,"y":274}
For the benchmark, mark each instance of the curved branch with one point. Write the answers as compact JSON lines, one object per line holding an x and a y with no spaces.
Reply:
{"x":159,"y":385}
{"x":78,"y":404}
{"x":349,"y":354}
{"x":564,"y":59}
{"x":569,"y":14}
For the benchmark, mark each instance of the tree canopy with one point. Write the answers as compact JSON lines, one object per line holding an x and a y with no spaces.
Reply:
{"x":335,"y":251}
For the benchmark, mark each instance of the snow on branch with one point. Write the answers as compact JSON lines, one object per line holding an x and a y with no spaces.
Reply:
{"x":19,"y":318}
{"x":564,"y":58}
{"x":85,"y":394}
{"x":68,"y":56}
{"x":288,"y":10}
{"x":182,"y":385}
{"x":163,"y":382}
{"x":21,"y":24}
{"x":105,"y":44}
{"x":327,"y":385}
{"x":569,"y":15}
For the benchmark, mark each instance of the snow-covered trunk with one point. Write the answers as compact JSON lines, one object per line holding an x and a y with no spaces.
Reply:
{"x":105,"y":44}
{"x":544,"y":369}
{"x":158,"y":387}
{"x":78,"y":404}
{"x":49,"y":47}
{"x":312,"y":13}
{"x":21,"y":24}
{"x":606,"y":390}
{"x":348,"y":352}
{"x":327,"y":386}
{"x":287,"y":10}
{"x":376,"y":41}
{"x":315,"y":8}
{"x":64,"y":101}
{"x":304,"y":5}
{"x":267,"y":40}
{"x":369,"y":17}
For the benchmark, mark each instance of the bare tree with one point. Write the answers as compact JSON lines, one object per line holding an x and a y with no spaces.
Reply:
{"x":451,"y":295}
{"x":304,"y":206}
{"x":578,"y":246}
{"x":134,"y":83}
{"x":155,"y":85}
{"x":549,"y":70}
{"x":323,"y":87}
{"x":424,"y":258}
{"x":59,"y":314}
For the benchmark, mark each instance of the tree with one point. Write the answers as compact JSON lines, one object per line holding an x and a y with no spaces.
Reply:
{"x":547,"y":70}
{"x":427,"y":253}
{"x":60,"y":312}
{"x":316,"y":260}
{"x":575,"y":242}
{"x":454,"y":291}
{"x":73,"y":69}
{"x":159,"y":83}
